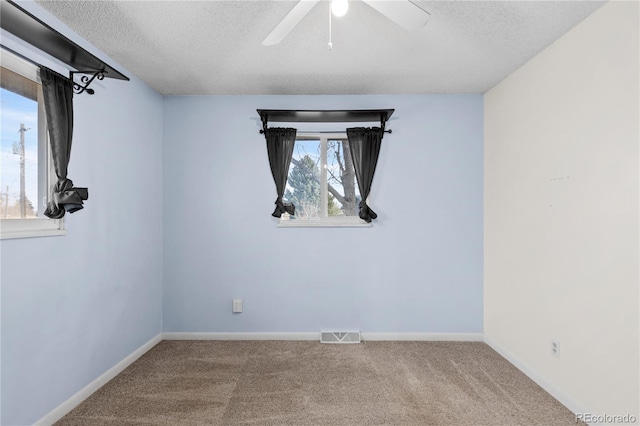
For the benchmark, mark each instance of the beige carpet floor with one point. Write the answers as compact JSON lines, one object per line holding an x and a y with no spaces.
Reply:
{"x":309,"y":383}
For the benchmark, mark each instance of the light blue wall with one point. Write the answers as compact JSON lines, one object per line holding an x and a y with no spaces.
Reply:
{"x":74,"y":306}
{"x":418,"y":269}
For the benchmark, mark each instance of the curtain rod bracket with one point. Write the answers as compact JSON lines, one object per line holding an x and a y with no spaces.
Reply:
{"x":383,"y":121}
{"x":85,"y":81}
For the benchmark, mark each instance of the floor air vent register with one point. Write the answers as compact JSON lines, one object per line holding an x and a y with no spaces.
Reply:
{"x":340,"y":337}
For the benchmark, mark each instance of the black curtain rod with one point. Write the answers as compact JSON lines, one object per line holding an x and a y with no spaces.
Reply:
{"x":324,"y":131}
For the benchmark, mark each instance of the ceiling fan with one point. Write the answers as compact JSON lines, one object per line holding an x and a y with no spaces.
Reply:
{"x":402,"y":12}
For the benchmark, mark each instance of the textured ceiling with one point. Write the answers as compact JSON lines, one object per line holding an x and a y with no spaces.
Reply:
{"x":214,"y":47}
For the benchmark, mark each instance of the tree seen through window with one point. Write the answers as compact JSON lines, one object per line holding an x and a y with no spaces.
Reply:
{"x":322,"y":169}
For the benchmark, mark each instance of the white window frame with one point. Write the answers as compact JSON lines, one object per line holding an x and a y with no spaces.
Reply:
{"x":325,"y":221}
{"x":41,"y":226}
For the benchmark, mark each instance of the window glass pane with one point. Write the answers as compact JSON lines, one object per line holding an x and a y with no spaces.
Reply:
{"x":18,"y":156}
{"x":303,"y":184}
{"x":344,"y":196}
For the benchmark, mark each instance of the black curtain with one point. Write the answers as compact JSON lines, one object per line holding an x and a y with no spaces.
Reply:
{"x":58,"y":105}
{"x":364,"y":144}
{"x":280,"y":142}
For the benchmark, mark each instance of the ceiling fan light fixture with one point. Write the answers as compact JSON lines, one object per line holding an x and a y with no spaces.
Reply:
{"x":339,"y":7}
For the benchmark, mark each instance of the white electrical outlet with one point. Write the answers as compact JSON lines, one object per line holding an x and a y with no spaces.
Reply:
{"x":237,"y":306}
{"x":555,"y":348}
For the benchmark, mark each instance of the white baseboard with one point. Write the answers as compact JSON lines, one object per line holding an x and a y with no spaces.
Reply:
{"x":241,"y":336}
{"x":423,"y":337}
{"x":457,"y":337}
{"x":62,"y":409}
{"x":565,"y":400}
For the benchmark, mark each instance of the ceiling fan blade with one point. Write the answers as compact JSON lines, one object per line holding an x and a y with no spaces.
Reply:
{"x":285,"y":26}
{"x":402,"y":12}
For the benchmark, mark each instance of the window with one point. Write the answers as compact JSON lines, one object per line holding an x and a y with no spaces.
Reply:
{"x":25,"y":158}
{"x":322,"y":183}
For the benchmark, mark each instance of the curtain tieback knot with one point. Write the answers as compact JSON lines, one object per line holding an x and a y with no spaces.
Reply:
{"x":282,"y":208}
{"x":66,"y":198}
{"x":366,"y":213}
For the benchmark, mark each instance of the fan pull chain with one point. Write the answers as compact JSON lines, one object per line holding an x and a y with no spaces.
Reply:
{"x":330,"y":46}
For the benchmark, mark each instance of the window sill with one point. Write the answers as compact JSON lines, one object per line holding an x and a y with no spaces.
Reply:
{"x":323,"y":224}
{"x":32,"y":234}
{"x":31,"y":228}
